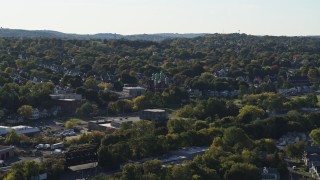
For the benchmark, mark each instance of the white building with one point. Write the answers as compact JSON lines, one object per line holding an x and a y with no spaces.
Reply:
{"x":133,"y":91}
{"x":66,"y":96}
{"x":19,"y":129}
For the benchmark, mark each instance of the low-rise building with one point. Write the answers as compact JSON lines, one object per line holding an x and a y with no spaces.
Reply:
{"x":66,"y":96}
{"x":68,"y":102}
{"x":6,"y":152}
{"x":98,"y":125}
{"x":133,"y":92}
{"x":109,"y":125}
{"x":19,"y":129}
{"x":157,"y":115}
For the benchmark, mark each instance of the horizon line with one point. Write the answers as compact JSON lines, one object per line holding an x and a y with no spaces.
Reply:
{"x":205,"y":33}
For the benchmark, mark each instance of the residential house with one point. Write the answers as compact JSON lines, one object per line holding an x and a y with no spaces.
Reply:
{"x":315,"y":169}
{"x":310,"y":152}
{"x":308,"y":159}
{"x":270,"y":174}
{"x":14,"y":119}
{"x":35,"y":115}
{"x":311,"y":158}
{"x":298,"y":81}
{"x":195,"y":93}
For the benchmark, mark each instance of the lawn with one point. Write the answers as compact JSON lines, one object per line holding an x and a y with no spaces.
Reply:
{"x":74,"y":122}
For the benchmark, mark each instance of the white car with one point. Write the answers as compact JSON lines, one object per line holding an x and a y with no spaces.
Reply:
{"x":40,"y":146}
{"x":56,"y":151}
{"x":47,"y":146}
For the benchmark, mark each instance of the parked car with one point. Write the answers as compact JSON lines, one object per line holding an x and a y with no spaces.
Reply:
{"x":46,"y":146}
{"x":57,"y":145}
{"x":56,"y":151}
{"x":39,"y":146}
{"x":2,"y":163}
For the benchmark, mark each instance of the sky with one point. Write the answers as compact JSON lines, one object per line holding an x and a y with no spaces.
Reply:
{"x":256,"y":17}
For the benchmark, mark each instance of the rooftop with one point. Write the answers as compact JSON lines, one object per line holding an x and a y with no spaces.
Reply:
{"x":137,"y":88}
{"x":109,"y":125}
{"x":155,"y":110}
{"x":316,"y":163}
{"x":21,"y":127}
{"x":5,"y":147}
{"x":312,"y":149}
{"x":69,"y":100}
{"x":269,"y":170}
{"x":116,"y":120}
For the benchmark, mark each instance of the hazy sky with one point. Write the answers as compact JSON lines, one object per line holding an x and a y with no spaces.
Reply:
{"x":259,"y":17}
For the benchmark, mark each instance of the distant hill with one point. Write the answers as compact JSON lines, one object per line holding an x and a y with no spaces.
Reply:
{"x":315,"y":36}
{"x":19,"y":33}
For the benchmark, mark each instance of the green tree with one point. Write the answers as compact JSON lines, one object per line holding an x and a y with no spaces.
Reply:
{"x":315,"y":135}
{"x":243,"y":171}
{"x":295,"y":150}
{"x":131,"y":172}
{"x":90,"y":83}
{"x":174,"y":95}
{"x":249,"y":113}
{"x":14,"y":175}
{"x":120,"y":153}
{"x":87,"y":109}
{"x":121,"y":106}
{"x":12,"y":138}
{"x":236,"y":137}
{"x":25,"y":111}
{"x":179,"y":125}
{"x":186,"y":111}
{"x":105,"y":157}
{"x":70,"y":125}
{"x":153,"y":166}
{"x":312,"y":100}
{"x":9,"y":96}
{"x":31,"y":168}
{"x":139,"y":103}
{"x":313,"y":76}
{"x":180,"y":172}
{"x":54,"y":166}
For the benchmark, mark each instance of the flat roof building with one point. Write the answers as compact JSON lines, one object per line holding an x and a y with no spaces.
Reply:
{"x":6,"y":152}
{"x":133,"y":92}
{"x":66,"y":96}
{"x":157,"y":115}
{"x":19,"y":129}
{"x":111,"y":124}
